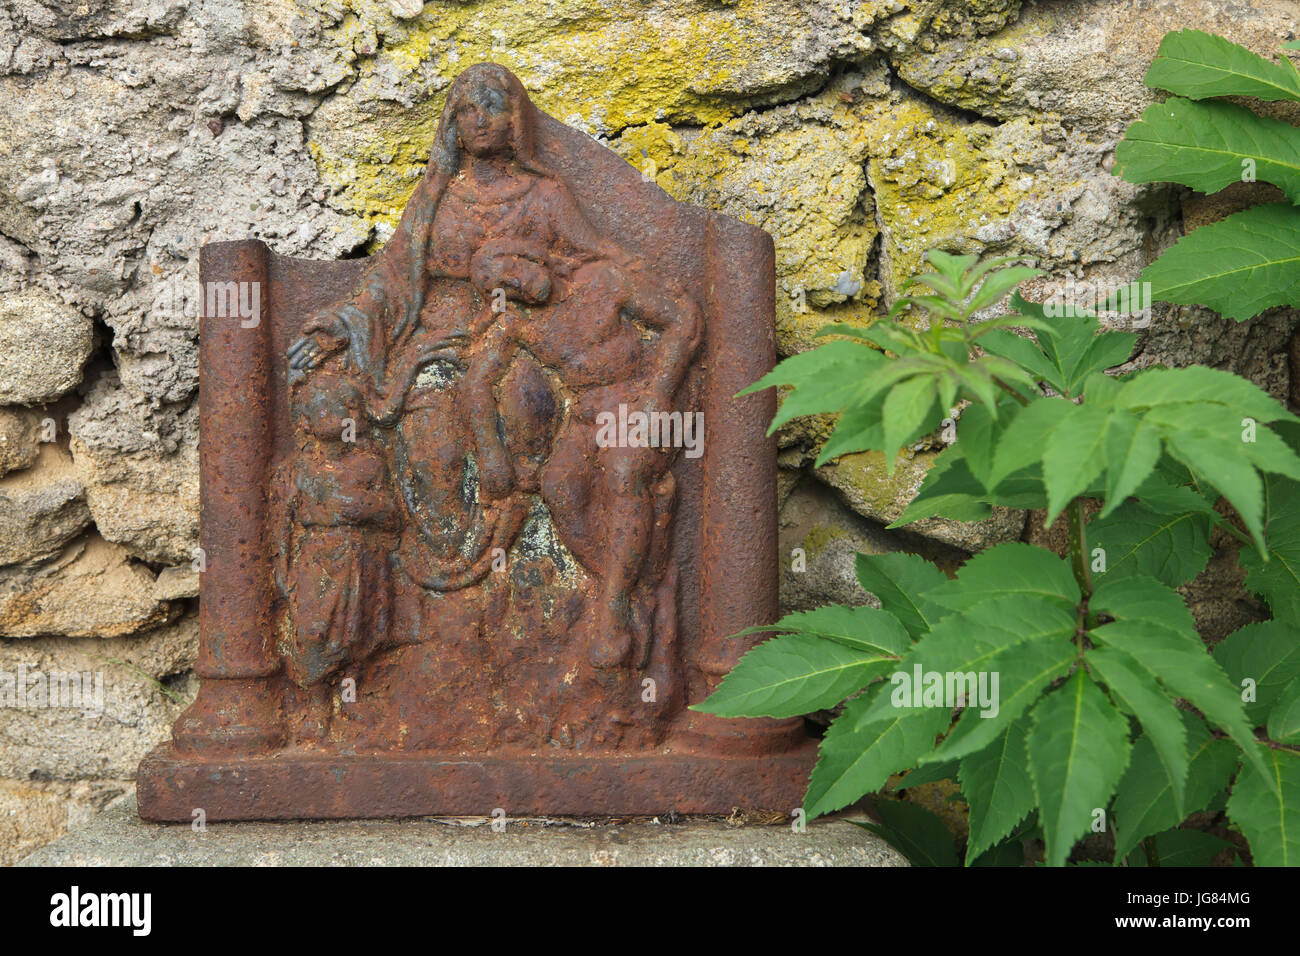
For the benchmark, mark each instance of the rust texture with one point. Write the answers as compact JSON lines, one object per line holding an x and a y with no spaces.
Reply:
{"x":480,"y":513}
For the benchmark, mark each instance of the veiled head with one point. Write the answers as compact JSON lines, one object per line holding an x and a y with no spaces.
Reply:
{"x":487,"y":113}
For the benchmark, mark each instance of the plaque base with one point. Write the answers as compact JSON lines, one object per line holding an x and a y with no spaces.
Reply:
{"x":300,"y":784}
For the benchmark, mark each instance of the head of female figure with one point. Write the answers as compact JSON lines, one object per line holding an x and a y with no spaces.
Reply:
{"x":486,"y":115}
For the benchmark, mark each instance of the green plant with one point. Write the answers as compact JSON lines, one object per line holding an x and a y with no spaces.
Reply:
{"x":1107,"y":710}
{"x":1249,"y":261}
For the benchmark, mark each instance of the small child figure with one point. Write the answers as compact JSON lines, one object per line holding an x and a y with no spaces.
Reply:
{"x":337,"y":516}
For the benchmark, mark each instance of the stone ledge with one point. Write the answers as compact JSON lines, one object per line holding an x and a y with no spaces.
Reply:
{"x":118,"y":837}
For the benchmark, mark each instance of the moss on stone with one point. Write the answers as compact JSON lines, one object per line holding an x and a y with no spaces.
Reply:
{"x":870,"y":489}
{"x":819,"y":538}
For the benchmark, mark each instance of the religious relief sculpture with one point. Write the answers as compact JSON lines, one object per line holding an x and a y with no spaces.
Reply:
{"x":480,"y":513}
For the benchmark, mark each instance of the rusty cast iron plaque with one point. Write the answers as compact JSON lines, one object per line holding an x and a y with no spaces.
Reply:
{"x":481,"y":512}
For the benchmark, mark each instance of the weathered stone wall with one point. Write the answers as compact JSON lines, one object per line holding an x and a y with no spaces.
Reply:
{"x":859,"y":133}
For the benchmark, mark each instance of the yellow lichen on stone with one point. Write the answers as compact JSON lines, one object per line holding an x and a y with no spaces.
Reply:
{"x":600,"y":66}
{"x":674,"y":84}
{"x":653,"y":149}
{"x":942,"y":183}
{"x":797,"y":172}
{"x":979,"y":78}
{"x":809,"y":432}
{"x":374,"y":174}
{"x":983,"y":16}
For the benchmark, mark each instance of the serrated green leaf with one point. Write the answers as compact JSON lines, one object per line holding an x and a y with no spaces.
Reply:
{"x":1078,"y":748}
{"x":1105,"y":351}
{"x":1181,"y":663}
{"x":1188,"y":848}
{"x":1239,"y":266}
{"x":1006,"y":372}
{"x":1173,"y":548}
{"x":1069,"y":344}
{"x":1268,"y":655}
{"x":1024,"y":353}
{"x":1022,"y":641}
{"x":1006,"y":854}
{"x":953,"y":345}
{"x":893,"y":338}
{"x":928,"y":773}
{"x":1277,"y":580}
{"x":1284,"y":718}
{"x":915,"y":832}
{"x":1139,"y":695}
{"x":1005,"y":570}
{"x":948,"y":289}
{"x":998,"y":285}
{"x":857,"y":757}
{"x":978,"y":431}
{"x":1023,"y":672}
{"x":995,"y":782}
{"x":1025,"y":436}
{"x":1221,"y":425}
{"x":1033,"y":310}
{"x":948,"y":489}
{"x":1195,"y":385}
{"x":950,"y":266}
{"x":906,"y":410}
{"x":1100,"y":389}
{"x":1229,"y":471}
{"x":836,"y":392}
{"x":792,"y":675}
{"x":859,"y":428}
{"x":1142,"y":598}
{"x":1145,"y":804}
{"x":843,"y":384}
{"x":1158,"y":494}
{"x":1208,"y":146}
{"x":1074,"y":457}
{"x":1289,"y":432}
{"x":861,"y":628}
{"x":984,"y":267}
{"x":900,"y":580}
{"x":1024,"y":489}
{"x":1269,"y":453}
{"x":1200,"y":65}
{"x":811,"y":367}
{"x":977,"y":380}
{"x":1265,"y":806}
{"x":1132,"y":451}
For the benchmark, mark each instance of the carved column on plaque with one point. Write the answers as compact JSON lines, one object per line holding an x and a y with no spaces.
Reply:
{"x":741,"y":456}
{"x":236,"y":708}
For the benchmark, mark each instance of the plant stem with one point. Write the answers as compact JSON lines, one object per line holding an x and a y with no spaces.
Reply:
{"x":1010,"y":391}
{"x":1079,"y":548}
{"x":1082,"y":574}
